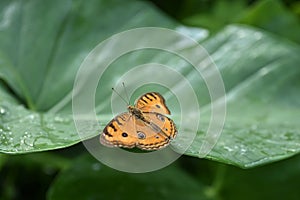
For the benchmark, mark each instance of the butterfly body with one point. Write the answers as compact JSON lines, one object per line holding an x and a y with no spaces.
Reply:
{"x":137,"y":113}
{"x":144,"y":125}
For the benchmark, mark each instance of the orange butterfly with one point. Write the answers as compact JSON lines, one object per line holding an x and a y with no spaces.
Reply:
{"x":145,"y":126}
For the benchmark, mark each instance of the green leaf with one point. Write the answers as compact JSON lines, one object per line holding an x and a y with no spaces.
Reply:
{"x":261,"y":75}
{"x":96,"y":181}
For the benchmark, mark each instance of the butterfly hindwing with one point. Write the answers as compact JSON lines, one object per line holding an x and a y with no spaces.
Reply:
{"x":152,"y":102}
{"x":157,"y":133}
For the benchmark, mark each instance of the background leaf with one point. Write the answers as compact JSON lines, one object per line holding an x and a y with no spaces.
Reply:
{"x":95,"y":183}
{"x":275,"y":17}
{"x":204,"y":180}
{"x":21,"y":172}
{"x":212,"y":15}
{"x":276,"y":181}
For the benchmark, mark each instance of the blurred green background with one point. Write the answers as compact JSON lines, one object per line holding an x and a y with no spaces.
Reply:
{"x":71,"y":173}
{"x":279,"y":17}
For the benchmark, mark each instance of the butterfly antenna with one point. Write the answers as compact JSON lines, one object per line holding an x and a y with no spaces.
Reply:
{"x":120,"y":96}
{"x":126,"y":93}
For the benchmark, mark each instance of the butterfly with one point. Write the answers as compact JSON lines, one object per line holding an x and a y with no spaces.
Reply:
{"x":144,"y":126}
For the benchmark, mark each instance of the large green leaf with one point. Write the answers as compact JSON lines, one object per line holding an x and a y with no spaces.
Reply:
{"x":39,"y":65}
{"x":261,"y":75}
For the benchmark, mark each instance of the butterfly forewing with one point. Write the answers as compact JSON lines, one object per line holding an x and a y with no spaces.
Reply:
{"x":152,"y":102}
{"x":118,"y":132}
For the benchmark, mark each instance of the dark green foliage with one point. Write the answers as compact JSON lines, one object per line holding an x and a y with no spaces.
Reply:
{"x":255,"y":45}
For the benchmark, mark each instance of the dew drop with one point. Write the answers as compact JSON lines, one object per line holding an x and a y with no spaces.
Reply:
{"x":40,"y":141}
{"x":31,"y":116}
{"x":2,"y":111}
{"x":228,"y":148}
{"x":243,"y":151}
{"x":22,"y":141}
{"x":59,"y":119}
{"x":30,"y":144}
{"x":7,"y":128}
